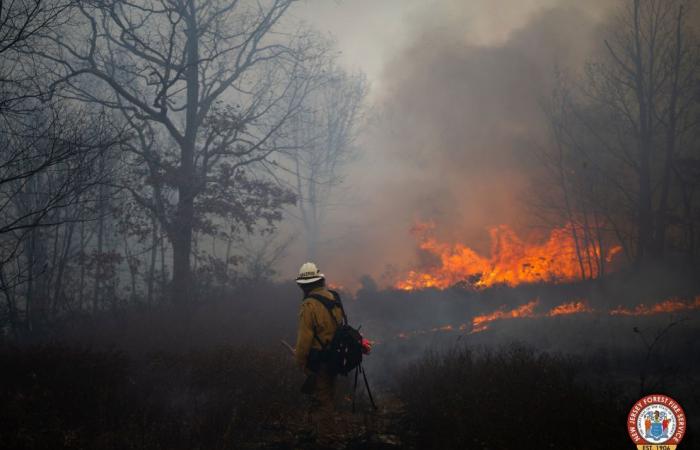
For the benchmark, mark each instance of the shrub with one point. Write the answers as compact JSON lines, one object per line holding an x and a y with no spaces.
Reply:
{"x":513,"y":397}
{"x":54,"y":397}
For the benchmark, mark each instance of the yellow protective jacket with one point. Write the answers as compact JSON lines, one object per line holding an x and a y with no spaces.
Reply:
{"x":315,"y":318}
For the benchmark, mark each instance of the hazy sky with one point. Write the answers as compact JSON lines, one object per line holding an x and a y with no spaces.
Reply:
{"x":456,"y":91}
{"x":370,"y":33}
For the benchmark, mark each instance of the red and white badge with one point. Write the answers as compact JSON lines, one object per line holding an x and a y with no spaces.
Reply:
{"x":656,"y":422}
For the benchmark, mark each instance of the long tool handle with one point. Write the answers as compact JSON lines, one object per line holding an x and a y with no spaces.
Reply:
{"x":364,"y":375}
{"x":288,"y":347}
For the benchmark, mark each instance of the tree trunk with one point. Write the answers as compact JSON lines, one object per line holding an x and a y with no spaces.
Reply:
{"x":181,"y":233}
{"x":311,"y":244}
{"x":133,"y":270}
{"x":81,"y":287}
{"x":643,"y":93}
{"x":100,"y":240}
{"x":163,"y":266}
{"x":565,"y":192}
{"x":182,"y":269}
{"x":644,"y":210}
{"x":671,"y":139}
{"x":152,"y":263}
{"x":312,"y":221}
{"x":11,"y":305}
{"x":29,"y":292}
{"x":587,"y":242}
{"x":229,"y":244}
{"x":601,"y":247}
{"x":62,"y":263}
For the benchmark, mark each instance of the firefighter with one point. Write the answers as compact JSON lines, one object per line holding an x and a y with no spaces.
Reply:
{"x":315,"y":332}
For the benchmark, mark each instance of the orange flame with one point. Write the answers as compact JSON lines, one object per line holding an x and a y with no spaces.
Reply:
{"x":512,"y":261}
{"x":575,"y":307}
{"x":481,"y":323}
{"x":671,"y":305}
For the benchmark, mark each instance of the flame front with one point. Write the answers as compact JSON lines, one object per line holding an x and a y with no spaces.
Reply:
{"x":512,"y":261}
{"x":671,"y":305}
{"x":528,"y":310}
{"x":575,"y":307}
{"x":481,"y":323}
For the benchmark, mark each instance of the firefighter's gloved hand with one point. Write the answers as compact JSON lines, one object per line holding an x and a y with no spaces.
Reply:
{"x":366,"y":346}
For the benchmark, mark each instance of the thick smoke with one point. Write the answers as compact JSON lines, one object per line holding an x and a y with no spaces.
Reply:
{"x":458,"y":123}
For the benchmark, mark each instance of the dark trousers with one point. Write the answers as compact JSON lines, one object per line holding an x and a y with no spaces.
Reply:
{"x":323,"y":404}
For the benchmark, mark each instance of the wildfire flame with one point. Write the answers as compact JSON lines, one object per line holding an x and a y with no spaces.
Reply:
{"x":671,"y":305}
{"x":512,"y":261}
{"x":575,"y":307}
{"x":482,"y":322}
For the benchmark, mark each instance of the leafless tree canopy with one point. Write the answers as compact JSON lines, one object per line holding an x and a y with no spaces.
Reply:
{"x":323,"y":143}
{"x":133,"y":128}
{"x":624,"y":159}
{"x":151,"y":148}
{"x":207,"y":87}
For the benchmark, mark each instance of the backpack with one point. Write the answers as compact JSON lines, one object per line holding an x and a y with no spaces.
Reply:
{"x":344,"y":352}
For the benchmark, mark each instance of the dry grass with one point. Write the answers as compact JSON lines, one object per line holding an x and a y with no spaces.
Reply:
{"x":57,"y":398}
{"x":510,"y":398}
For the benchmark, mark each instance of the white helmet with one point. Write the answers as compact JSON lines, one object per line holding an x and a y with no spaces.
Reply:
{"x":309,"y":273}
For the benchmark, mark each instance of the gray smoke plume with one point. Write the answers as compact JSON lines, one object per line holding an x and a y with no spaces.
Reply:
{"x":456,"y":126}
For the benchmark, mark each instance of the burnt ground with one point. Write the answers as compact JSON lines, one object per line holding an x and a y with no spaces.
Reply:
{"x":366,"y":429}
{"x":62,"y":398}
{"x":238,"y":398}
{"x":146,"y":379}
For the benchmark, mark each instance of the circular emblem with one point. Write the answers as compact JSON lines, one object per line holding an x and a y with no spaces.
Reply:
{"x":656,"y":419}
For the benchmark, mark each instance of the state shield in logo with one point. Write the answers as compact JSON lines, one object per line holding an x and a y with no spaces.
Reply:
{"x":656,"y":421}
{"x":656,"y":431}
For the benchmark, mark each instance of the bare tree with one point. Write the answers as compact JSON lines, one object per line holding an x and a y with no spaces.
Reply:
{"x":324,"y":142}
{"x":21,"y":21}
{"x":652,"y":60}
{"x":619,"y":134}
{"x":32,"y":139}
{"x":211,"y":85}
{"x":49,"y":172}
{"x":261,"y":257}
{"x":574,"y":187}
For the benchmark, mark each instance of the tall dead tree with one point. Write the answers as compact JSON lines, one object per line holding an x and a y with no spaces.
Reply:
{"x":212,"y":84}
{"x":323,"y":143}
{"x":651,"y":64}
{"x":557,"y":195}
{"x":621,"y":130}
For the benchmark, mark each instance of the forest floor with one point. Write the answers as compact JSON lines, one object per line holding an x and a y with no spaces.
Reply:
{"x":144,"y":380}
{"x":365,"y":429}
